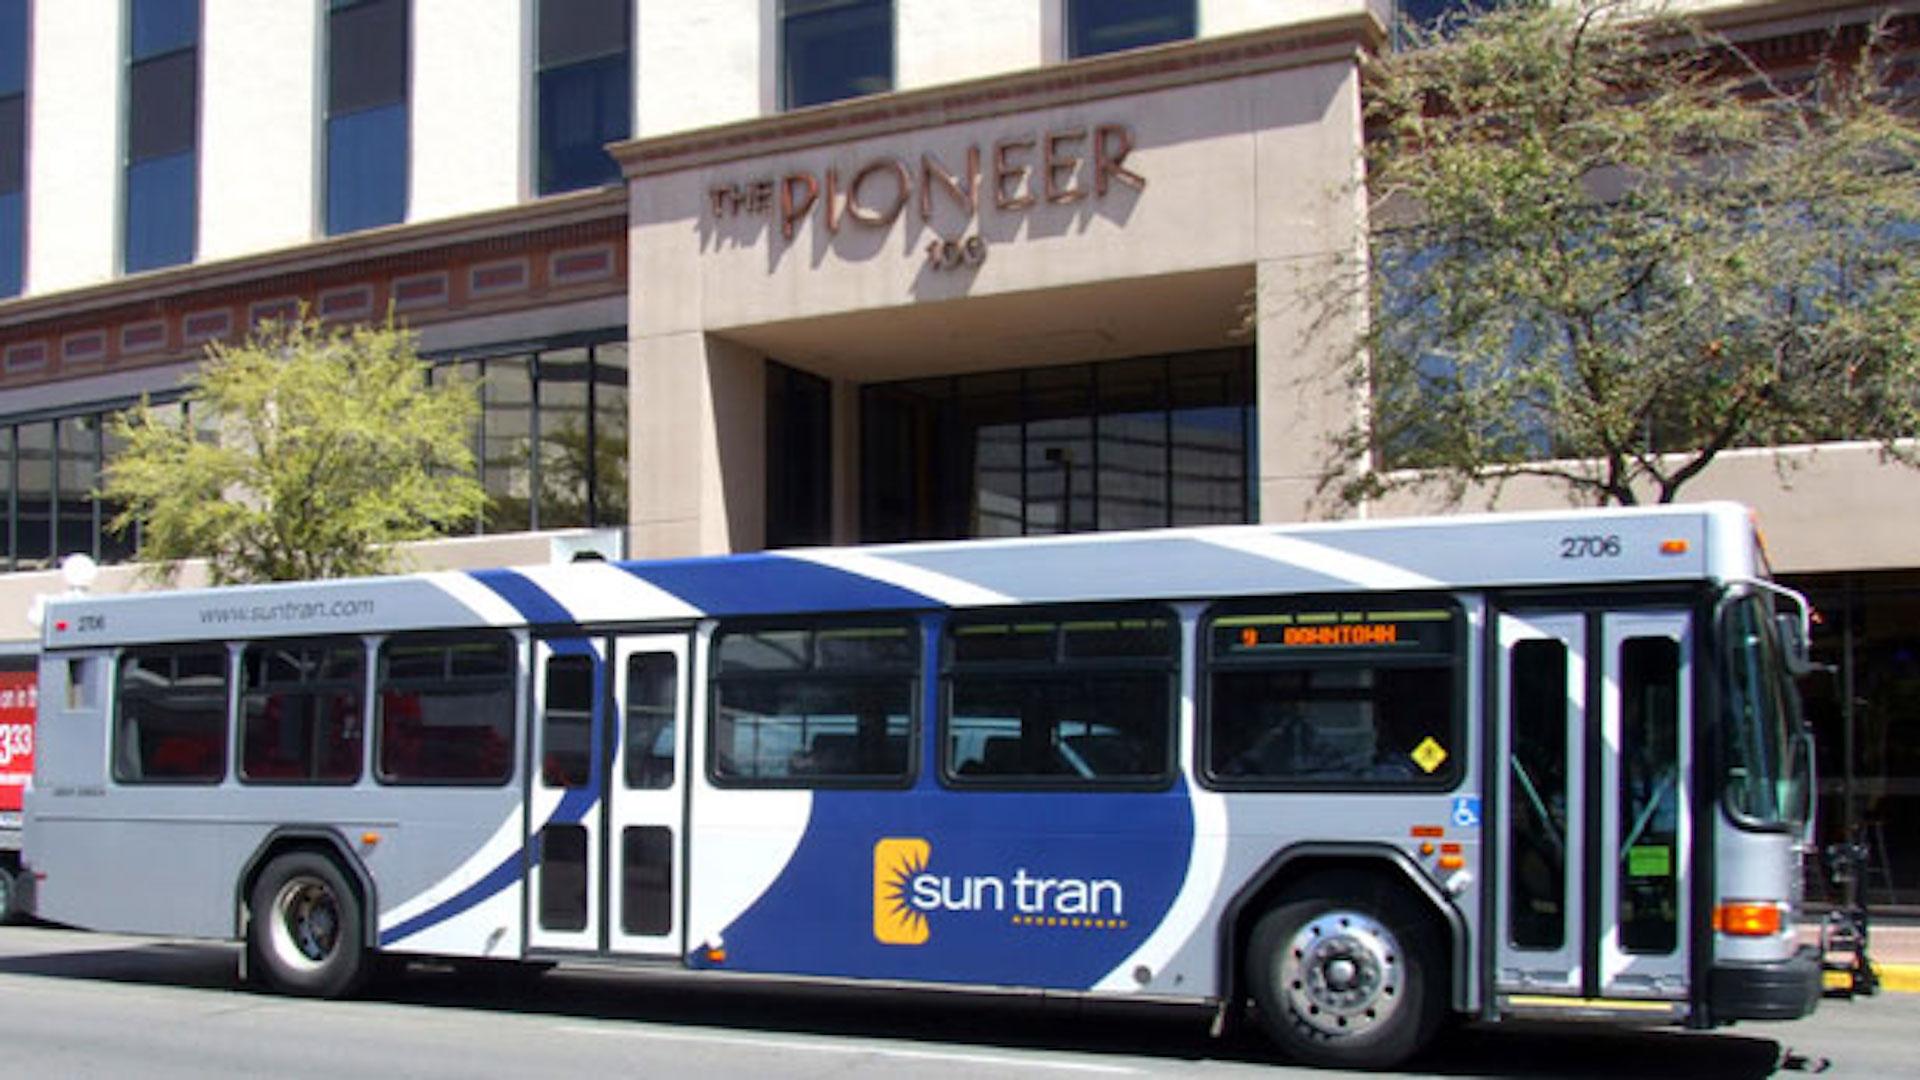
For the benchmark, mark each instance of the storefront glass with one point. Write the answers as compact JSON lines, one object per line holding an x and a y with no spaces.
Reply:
{"x":1141,"y":443}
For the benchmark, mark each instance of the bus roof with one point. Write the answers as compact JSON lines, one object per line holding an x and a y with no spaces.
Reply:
{"x":1695,"y":542}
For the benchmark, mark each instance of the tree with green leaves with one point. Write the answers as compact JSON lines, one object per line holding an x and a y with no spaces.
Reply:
{"x":1609,"y":247}
{"x":311,"y":451}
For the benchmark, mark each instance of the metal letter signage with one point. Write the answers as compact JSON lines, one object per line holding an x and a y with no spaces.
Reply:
{"x":1020,"y":172}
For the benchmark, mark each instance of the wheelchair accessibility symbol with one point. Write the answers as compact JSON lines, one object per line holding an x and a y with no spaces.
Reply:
{"x":1466,"y":812}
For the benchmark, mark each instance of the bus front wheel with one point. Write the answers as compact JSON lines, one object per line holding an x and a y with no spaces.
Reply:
{"x":1348,"y":976}
{"x":305,"y":930}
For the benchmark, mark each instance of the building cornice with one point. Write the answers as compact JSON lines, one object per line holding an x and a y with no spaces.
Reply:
{"x":1138,"y":71}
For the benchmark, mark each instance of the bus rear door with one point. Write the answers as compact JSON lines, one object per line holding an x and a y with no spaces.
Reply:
{"x":607,"y":805}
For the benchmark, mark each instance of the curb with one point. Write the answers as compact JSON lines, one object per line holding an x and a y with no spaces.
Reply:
{"x":1894,"y":978}
{"x":1899,"y":978}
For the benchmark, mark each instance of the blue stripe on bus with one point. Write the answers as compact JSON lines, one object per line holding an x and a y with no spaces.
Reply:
{"x":530,"y":600}
{"x":538,"y":607}
{"x":574,"y":807}
{"x":771,"y":584}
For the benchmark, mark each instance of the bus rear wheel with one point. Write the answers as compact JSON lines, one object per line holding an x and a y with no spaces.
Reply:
{"x":10,"y":905}
{"x":1348,"y":976}
{"x":306,"y":932}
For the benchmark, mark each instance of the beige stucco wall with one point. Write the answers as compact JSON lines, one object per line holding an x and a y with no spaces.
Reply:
{"x":1840,"y":507}
{"x":1244,"y":177}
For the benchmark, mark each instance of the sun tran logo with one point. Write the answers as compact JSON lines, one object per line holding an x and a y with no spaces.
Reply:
{"x":907,"y":894}
{"x":896,"y":862}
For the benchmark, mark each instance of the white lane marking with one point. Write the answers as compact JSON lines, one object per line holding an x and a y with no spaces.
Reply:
{"x":751,"y":1042}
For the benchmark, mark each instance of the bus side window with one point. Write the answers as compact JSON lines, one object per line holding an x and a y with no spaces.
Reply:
{"x":1333,"y":693}
{"x":1060,"y":698}
{"x":300,"y":711}
{"x":171,"y":725}
{"x":445,"y":708}
{"x":816,"y":705}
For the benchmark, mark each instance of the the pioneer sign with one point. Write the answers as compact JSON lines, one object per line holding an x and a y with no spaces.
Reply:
{"x":1010,"y":175}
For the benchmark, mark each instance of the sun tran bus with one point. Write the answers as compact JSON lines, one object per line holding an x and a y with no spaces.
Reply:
{"x":1345,"y":779}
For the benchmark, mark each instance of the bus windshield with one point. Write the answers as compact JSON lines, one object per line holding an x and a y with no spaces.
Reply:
{"x":1765,"y":761}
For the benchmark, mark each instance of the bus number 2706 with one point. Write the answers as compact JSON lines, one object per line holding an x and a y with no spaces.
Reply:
{"x":1590,"y":547}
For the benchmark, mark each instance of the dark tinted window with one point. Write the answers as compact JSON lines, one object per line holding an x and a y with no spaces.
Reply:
{"x":13,"y":47}
{"x":814,"y":705}
{"x":366,"y":55}
{"x":1046,"y":698}
{"x":13,"y":145}
{"x":653,"y":699}
{"x":1334,"y":695}
{"x":446,"y":709}
{"x":161,"y":26}
{"x":1537,"y":703}
{"x":160,"y":212}
{"x":835,"y":49}
{"x":566,"y":723}
{"x":162,"y":135}
{"x":366,"y":182}
{"x":300,"y":712}
{"x":1104,"y":26}
{"x":1649,"y":794}
{"x":585,"y":91}
{"x":172,"y":716}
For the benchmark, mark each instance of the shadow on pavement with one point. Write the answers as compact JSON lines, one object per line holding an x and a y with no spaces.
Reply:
{"x":1526,"y":1049}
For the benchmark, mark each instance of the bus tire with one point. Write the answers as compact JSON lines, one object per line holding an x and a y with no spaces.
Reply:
{"x":10,"y":899}
{"x":305,"y":929}
{"x":1351,"y":976}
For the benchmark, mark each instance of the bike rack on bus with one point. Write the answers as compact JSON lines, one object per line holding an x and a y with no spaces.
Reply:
{"x":1843,"y":935}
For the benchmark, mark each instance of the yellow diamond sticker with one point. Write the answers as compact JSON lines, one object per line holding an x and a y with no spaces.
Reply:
{"x":1429,"y":755}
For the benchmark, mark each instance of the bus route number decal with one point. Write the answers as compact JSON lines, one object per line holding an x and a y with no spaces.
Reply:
{"x":1590,"y":547}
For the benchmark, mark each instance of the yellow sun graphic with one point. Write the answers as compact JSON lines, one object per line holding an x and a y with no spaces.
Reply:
{"x":895,"y":862}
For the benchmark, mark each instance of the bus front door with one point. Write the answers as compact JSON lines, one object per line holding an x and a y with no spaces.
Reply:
{"x":1593,"y":845}
{"x":607,"y":801}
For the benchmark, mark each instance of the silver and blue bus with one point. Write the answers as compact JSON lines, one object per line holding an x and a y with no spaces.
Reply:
{"x":1340,"y":780}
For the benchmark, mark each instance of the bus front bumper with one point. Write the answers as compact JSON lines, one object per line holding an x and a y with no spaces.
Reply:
{"x":1783,"y":990}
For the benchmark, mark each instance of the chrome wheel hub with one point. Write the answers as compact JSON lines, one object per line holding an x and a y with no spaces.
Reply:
{"x":1342,"y":973}
{"x":306,"y":923}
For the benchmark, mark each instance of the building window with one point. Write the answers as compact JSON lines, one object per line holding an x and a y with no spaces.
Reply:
{"x":1414,"y":18}
{"x":584,"y":91}
{"x":1126,"y":444}
{"x":366,"y":114}
{"x":13,"y":146}
{"x":799,"y":458}
{"x":1103,"y":26}
{"x":834,"y":49}
{"x":162,"y":117}
{"x":551,"y":441}
{"x":551,"y":438}
{"x":49,"y":473}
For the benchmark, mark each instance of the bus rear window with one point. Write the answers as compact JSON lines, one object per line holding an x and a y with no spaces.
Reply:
{"x":172,"y":717}
{"x":446,"y":709}
{"x":1333,"y":695}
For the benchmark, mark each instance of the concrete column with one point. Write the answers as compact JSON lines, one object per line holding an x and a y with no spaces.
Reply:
{"x":698,"y":446}
{"x":1310,"y":285}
